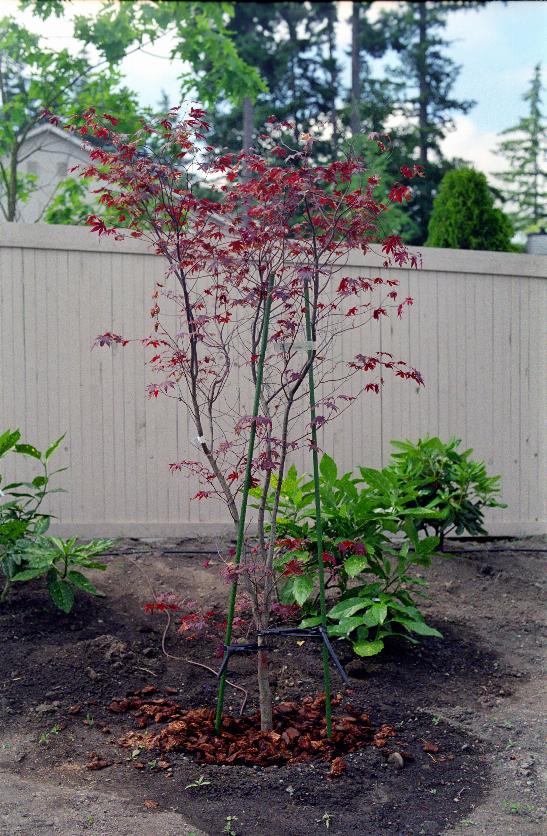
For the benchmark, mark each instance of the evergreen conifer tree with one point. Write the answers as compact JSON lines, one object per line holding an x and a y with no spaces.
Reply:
{"x":524,"y":149}
{"x":464,"y":216}
{"x":426,"y":77}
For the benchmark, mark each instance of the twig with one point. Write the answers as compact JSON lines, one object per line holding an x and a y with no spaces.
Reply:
{"x":183,"y":658}
{"x":200,"y":665}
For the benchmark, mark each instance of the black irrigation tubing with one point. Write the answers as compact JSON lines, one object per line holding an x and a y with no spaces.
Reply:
{"x":494,"y":551}
{"x":215,"y":551}
{"x":135,"y":553}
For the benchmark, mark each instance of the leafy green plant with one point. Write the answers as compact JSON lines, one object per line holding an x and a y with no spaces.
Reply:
{"x":60,"y":562}
{"x":21,"y":519}
{"x":326,"y":818}
{"x":230,"y":826}
{"x":44,"y":737}
{"x":201,"y":781}
{"x":25,"y":552}
{"x":460,"y":487}
{"x":369,"y":571}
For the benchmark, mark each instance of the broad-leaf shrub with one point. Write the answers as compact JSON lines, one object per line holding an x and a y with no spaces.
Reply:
{"x":25,"y":552}
{"x":367,"y":571}
{"x":460,"y":487}
{"x":60,"y":562}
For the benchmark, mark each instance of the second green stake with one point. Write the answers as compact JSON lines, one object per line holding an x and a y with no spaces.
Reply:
{"x":245,"y":495}
{"x":318,"y":524}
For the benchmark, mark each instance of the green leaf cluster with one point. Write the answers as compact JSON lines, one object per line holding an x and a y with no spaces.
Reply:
{"x":460,"y":486}
{"x":380,"y":529}
{"x":371,"y":544}
{"x":60,"y":561}
{"x":201,"y":37}
{"x":26,"y":552}
{"x":34,"y":78}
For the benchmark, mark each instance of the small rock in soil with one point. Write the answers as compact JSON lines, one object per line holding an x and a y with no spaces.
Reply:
{"x":486,"y":569}
{"x":356,"y":669}
{"x":430,"y":827}
{"x":47,"y":707}
{"x":396,"y":760}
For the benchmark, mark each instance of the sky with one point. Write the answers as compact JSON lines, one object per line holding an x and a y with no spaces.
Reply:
{"x":497,"y":46}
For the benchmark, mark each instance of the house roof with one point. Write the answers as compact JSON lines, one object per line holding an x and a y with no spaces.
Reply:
{"x":53,"y":130}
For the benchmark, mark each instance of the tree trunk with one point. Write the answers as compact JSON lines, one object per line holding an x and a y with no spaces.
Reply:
{"x":248,"y":124}
{"x":293,"y":38}
{"x":12,"y":186}
{"x":333,"y":78}
{"x":422,"y":78}
{"x":423,"y":124}
{"x":264,"y":690}
{"x":355,"y":73}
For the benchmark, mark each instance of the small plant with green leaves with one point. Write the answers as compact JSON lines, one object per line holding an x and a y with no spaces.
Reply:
{"x":60,"y":561}
{"x":369,"y":573}
{"x":326,"y":818}
{"x":516,"y":808}
{"x":21,"y":517}
{"x":201,"y":781}
{"x":89,"y":721}
{"x":44,"y":737}
{"x":230,"y":826}
{"x":26,"y":552}
{"x":460,"y":487}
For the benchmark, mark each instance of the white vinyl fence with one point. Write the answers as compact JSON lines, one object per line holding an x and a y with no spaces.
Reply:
{"x":475,"y":332}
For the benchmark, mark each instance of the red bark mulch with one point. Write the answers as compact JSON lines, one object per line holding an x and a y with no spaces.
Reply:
{"x":299,"y":733}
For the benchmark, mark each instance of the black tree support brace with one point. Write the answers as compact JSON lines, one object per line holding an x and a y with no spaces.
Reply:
{"x":230,"y":649}
{"x":298,"y":632}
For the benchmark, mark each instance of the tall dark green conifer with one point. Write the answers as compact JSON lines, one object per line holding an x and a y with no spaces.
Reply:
{"x":369,"y":101}
{"x":293,"y":47}
{"x":426,"y":76}
{"x":525,"y":151}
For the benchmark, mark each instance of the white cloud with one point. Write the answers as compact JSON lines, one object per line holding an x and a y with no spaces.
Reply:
{"x":344,"y":10}
{"x":478,"y":147}
{"x":476,"y":29}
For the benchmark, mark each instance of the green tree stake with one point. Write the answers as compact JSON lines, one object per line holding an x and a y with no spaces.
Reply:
{"x":245,"y":496}
{"x":318,"y":523}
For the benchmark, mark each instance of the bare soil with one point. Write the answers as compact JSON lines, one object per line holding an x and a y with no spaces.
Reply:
{"x":466,"y":710}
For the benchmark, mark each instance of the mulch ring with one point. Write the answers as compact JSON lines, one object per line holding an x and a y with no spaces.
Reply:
{"x":299,"y":733}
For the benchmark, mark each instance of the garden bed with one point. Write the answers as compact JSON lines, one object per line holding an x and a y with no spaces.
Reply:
{"x":464,"y":711}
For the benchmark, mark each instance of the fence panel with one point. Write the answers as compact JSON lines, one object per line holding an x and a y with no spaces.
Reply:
{"x":475,"y":333}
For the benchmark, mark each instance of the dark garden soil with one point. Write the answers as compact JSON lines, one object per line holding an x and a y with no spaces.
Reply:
{"x":445,"y":736}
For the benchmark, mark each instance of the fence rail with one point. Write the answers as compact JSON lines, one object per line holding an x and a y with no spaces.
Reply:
{"x":475,"y":333}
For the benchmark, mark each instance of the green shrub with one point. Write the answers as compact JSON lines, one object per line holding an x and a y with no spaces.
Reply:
{"x":369,"y":573}
{"x":464,"y":216}
{"x":25,"y":552}
{"x":377,"y":527}
{"x":461,"y":488}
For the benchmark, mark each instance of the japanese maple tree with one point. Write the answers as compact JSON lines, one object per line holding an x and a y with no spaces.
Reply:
{"x":243,"y":236}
